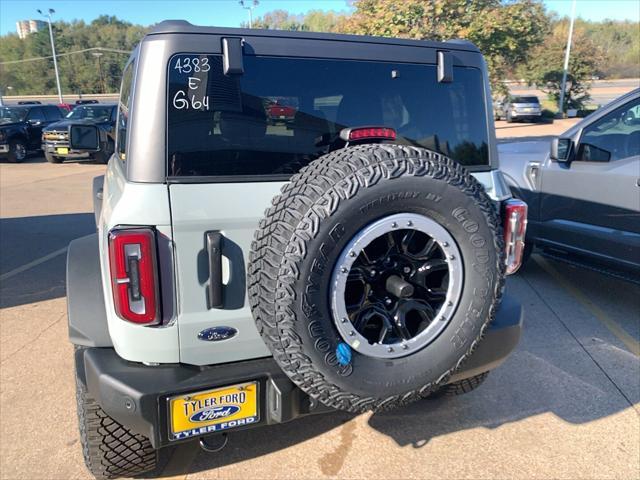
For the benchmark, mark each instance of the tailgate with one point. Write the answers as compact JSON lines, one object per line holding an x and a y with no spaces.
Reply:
{"x":234,"y":210}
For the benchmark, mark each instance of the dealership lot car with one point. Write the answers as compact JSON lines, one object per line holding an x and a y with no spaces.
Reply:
{"x":583,"y":188}
{"x":250,"y":273}
{"x":513,"y":108}
{"x":55,"y":137}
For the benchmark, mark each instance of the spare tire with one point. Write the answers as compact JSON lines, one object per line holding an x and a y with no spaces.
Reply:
{"x":374,"y":274}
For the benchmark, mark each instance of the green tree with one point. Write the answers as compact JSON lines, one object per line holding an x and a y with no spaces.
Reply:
{"x":313,"y":21}
{"x":503,"y":31}
{"x":545,"y":65}
{"x":79,"y":72}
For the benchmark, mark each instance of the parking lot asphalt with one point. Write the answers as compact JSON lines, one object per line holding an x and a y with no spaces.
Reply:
{"x":565,"y":405}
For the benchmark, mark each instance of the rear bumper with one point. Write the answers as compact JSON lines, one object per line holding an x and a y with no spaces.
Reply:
{"x":137,"y":395}
{"x":526,"y":114}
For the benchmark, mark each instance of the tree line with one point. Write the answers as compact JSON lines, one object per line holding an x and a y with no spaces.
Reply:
{"x":518,"y":38}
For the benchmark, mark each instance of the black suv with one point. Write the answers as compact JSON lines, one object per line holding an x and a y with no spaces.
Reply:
{"x":55,"y":138}
{"x":21,"y":129}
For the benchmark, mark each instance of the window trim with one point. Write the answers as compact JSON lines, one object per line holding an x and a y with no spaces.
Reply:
{"x":195,"y":179}
{"x":583,"y":131}
{"x":131,"y":63}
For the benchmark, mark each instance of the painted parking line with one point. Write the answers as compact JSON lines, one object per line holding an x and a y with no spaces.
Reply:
{"x":631,"y":343}
{"x":35,"y":263}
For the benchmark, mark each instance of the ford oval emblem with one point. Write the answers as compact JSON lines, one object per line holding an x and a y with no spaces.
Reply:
{"x":214,"y":413}
{"x":216,"y":334}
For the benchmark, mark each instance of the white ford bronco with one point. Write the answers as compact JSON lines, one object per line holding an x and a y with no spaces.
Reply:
{"x":291,"y":223}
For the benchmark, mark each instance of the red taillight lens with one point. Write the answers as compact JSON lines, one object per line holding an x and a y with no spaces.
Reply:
{"x":515,"y":228}
{"x":367,"y":133}
{"x":132,"y":258}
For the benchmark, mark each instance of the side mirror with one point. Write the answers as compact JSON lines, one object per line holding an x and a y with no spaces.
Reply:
{"x":84,"y":137}
{"x":561,"y":150}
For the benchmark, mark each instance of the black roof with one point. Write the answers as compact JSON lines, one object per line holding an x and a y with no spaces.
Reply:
{"x":182,"y":26}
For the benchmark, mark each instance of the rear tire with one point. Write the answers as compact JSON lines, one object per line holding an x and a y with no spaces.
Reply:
{"x":52,"y":158}
{"x":110,"y":450}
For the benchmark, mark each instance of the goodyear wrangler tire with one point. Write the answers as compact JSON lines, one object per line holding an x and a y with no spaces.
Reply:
{"x":374,"y":274}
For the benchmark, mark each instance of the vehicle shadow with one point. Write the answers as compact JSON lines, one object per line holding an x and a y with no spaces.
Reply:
{"x":32,"y":256}
{"x":549,"y":373}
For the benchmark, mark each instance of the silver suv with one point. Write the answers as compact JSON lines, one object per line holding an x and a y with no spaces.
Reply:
{"x":246,"y":272}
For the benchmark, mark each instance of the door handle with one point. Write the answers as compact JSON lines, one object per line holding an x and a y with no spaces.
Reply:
{"x":533,"y":174}
{"x":214,"y":252}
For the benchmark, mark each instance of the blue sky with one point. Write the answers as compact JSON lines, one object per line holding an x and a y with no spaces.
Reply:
{"x":229,"y":13}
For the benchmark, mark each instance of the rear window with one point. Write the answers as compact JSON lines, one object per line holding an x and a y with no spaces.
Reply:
{"x":525,"y":100}
{"x":283,"y":113}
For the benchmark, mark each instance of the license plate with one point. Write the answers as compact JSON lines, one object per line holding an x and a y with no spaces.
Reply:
{"x":62,"y":150}
{"x":211,"y":411}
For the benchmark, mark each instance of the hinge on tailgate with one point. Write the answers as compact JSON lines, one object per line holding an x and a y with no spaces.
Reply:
{"x":445,"y":67}
{"x":232,"y":56}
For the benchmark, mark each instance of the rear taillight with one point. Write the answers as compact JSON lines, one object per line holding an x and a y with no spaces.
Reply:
{"x":367,"y":133}
{"x":134,"y":275}
{"x":515,"y":228}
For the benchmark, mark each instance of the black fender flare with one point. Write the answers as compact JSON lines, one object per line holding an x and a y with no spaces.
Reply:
{"x":85,"y":298}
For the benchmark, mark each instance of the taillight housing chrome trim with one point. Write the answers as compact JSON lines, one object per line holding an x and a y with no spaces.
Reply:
{"x":515,"y":229}
{"x":134,"y":275}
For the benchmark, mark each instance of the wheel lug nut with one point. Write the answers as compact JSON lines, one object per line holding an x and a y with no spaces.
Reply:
{"x":387,"y":301}
{"x":352,"y":254}
{"x":406,"y":269}
{"x":394,"y":225}
{"x":449,"y":303}
{"x":445,"y":244}
{"x":352,"y":333}
{"x":452,"y":257}
{"x":343,"y":320}
{"x":390,"y":349}
{"x":344,"y":270}
{"x":405,"y":346}
{"x":373,"y":273}
{"x":409,"y":223}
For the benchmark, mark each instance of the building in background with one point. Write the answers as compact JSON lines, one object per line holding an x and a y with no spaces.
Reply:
{"x":25,"y":27}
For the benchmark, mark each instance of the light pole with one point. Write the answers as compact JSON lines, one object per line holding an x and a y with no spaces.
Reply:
{"x":53,"y":50}
{"x":253,"y":5}
{"x":563,"y":85}
{"x":98,"y":55}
